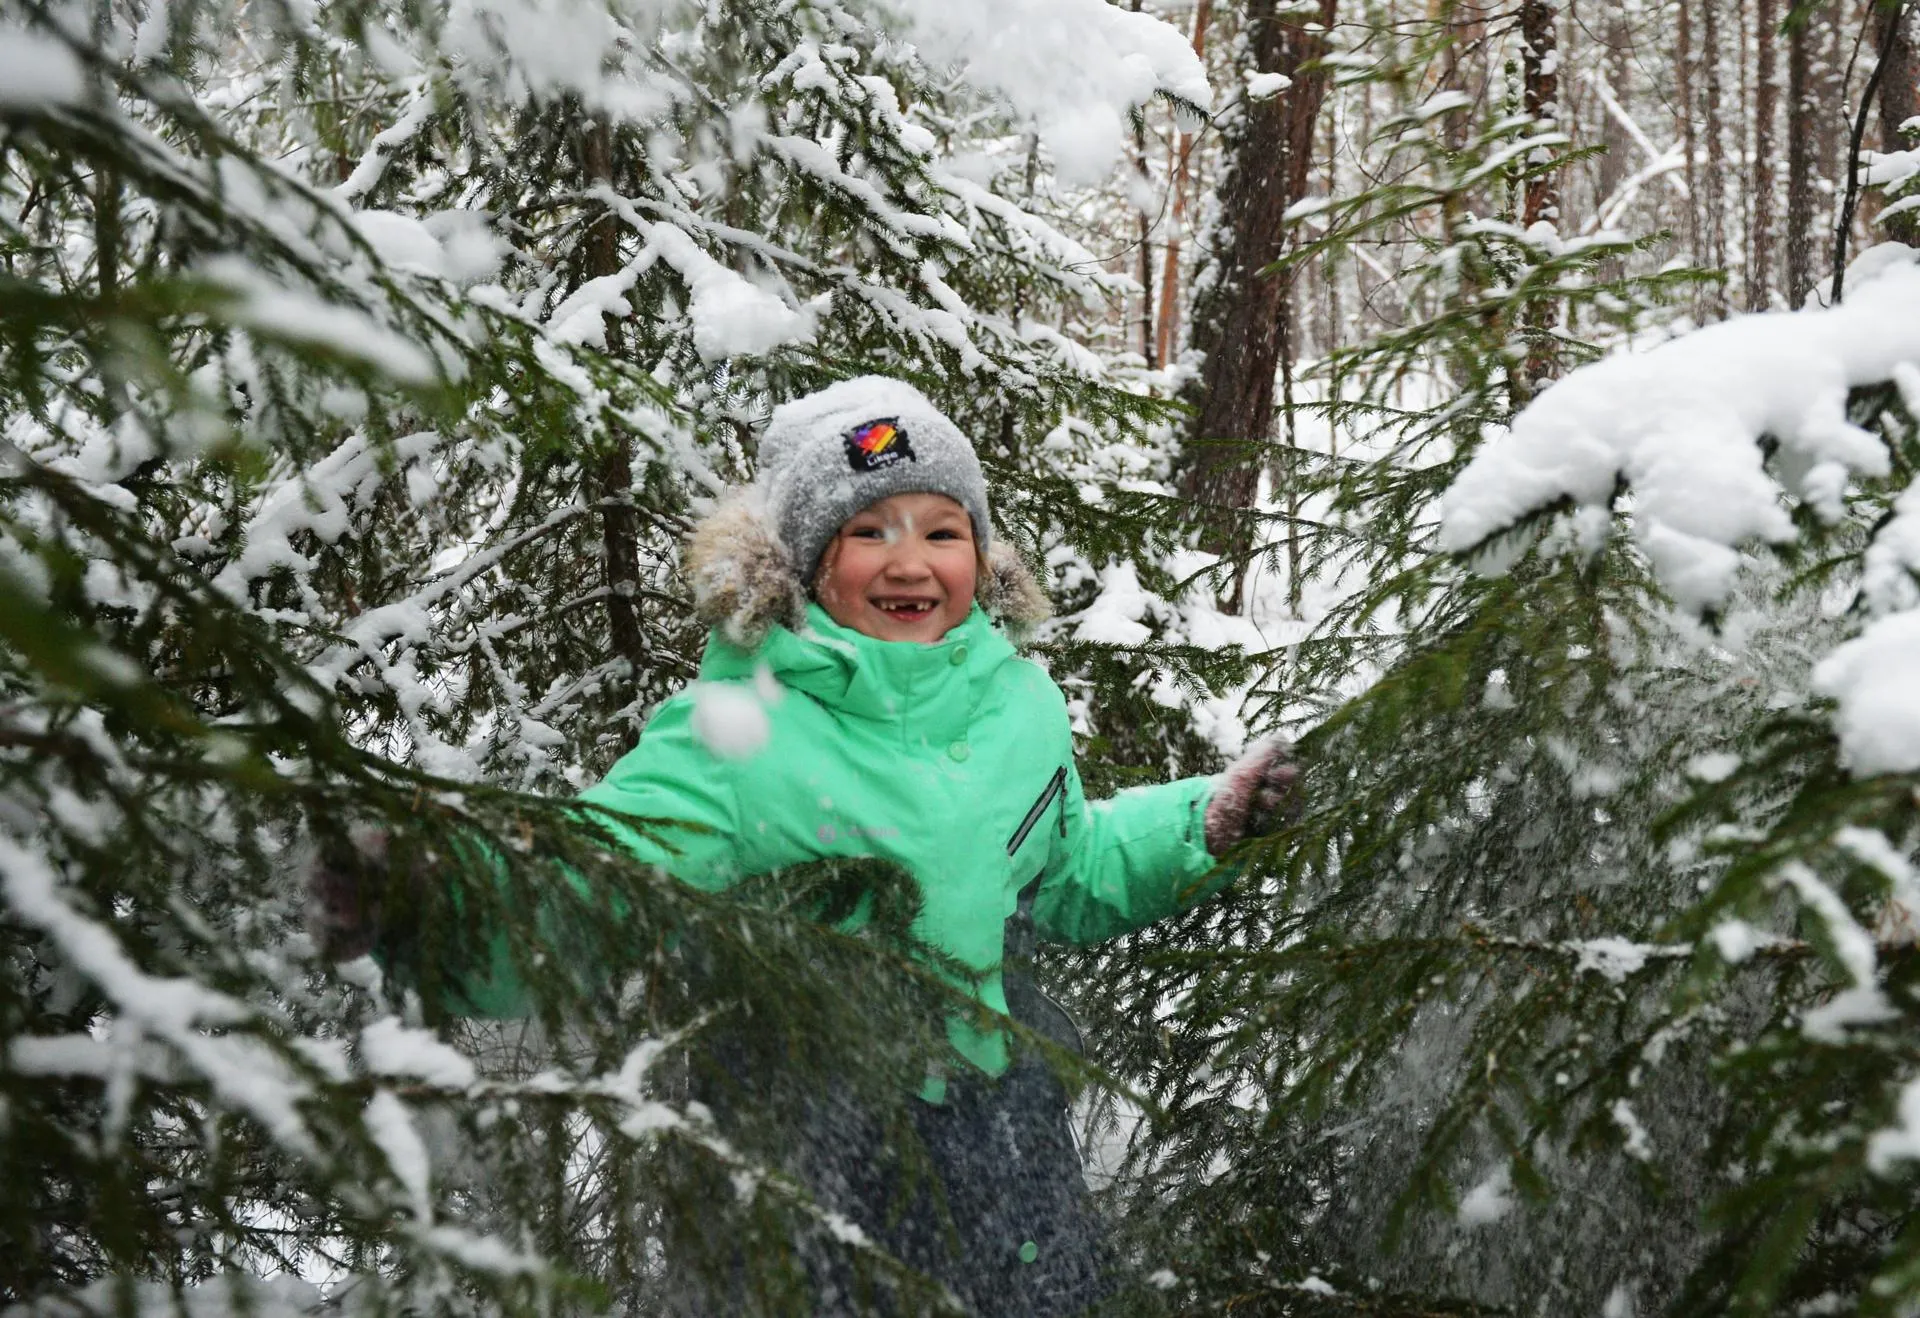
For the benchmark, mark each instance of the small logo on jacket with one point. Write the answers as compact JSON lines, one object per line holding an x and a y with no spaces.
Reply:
{"x":877,"y":445}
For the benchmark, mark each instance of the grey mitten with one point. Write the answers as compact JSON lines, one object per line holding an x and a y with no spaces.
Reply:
{"x":1256,"y":794}
{"x":344,"y":887}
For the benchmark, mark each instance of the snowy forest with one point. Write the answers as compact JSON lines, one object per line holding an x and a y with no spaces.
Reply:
{"x":1513,"y":403}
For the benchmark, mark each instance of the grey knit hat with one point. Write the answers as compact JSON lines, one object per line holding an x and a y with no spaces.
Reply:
{"x":826,"y":456}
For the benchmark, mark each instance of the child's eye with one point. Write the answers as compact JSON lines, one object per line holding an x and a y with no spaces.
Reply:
{"x":866,"y":533}
{"x":943,"y":535}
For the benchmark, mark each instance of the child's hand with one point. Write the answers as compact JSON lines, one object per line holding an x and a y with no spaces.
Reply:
{"x":343,"y":895}
{"x":1257,"y":793}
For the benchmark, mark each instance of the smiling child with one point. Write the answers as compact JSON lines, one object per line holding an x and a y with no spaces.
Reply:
{"x":857,"y":593}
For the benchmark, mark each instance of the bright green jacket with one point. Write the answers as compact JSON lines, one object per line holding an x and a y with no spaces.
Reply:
{"x":954,"y":760}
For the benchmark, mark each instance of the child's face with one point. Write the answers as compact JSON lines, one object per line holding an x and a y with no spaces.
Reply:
{"x":902,"y":569}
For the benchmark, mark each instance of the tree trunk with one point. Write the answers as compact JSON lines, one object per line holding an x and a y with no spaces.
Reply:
{"x":1766,"y":108}
{"x":1894,"y":32}
{"x":1800,"y":142}
{"x":1330,"y":265}
{"x":1830,"y":63}
{"x":1540,"y":64}
{"x":1689,"y":137}
{"x":1540,"y":91}
{"x":613,"y":473}
{"x":1466,"y":21}
{"x":1144,"y":231}
{"x":1616,"y":161}
{"x":1713,"y":195}
{"x":1268,"y":147}
{"x":1179,"y":182}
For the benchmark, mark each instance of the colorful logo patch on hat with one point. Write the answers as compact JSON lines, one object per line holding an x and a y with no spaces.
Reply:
{"x":877,"y":445}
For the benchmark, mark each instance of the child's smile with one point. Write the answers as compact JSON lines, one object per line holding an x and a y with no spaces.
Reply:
{"x":902,"y":569}
{"x":905,"y":610}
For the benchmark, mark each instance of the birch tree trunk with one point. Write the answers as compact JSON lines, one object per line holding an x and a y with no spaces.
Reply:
{"x":1267,"y":148}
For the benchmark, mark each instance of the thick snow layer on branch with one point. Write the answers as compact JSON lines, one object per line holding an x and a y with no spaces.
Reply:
{"x":1614,"y":959}
{"x":453,"y":245}
{"x":385,"y":143}
{"x":1114,"y":617}
{"x":550,"y":48}
{"x":1889,"y":170}
{"x":391,"y":1125}
{"x":1875,"y":679}
{"x":1893,"y":559}
{"x":296,"y":316}
{"x":1075,"y":67}
{"x":1899,"y":1143}
{"x":731,"y":317}
{"x":1866,"y":1002}
{"x":37,"y":72}
{"x":1680,"y":424}
{"x":389,"y":1048}
{"x":1262,"y":85}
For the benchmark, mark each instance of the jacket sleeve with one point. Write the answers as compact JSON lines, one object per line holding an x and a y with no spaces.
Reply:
{"x":1125,"y":862}
{"x":685,"y":792}
{"x":671,"y":781}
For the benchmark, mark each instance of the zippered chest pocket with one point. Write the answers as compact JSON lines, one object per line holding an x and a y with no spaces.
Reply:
{"x":1055,"y":791}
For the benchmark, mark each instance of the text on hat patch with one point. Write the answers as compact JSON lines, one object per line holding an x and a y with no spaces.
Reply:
{"x":876,"y":445}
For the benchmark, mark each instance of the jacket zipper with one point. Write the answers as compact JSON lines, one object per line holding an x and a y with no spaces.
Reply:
{"x":1055,"y":785}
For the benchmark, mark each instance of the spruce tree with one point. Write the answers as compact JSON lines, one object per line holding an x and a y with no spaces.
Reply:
{"x":1579,"y":985}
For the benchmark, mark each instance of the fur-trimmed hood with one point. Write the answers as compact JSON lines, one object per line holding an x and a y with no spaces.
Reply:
{"x":745,"y":583}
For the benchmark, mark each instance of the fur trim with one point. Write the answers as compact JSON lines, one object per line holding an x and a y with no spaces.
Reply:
{"x":743,"y":578}
{"x":1009,"y":593}
{"x":745,"y":583}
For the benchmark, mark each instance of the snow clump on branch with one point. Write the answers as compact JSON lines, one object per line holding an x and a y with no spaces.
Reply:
{"x":1682,"y":426}
{"x":1074,"y":67}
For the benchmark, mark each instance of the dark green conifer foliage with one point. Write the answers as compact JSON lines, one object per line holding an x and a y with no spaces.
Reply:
{"x":1474,"y":1034}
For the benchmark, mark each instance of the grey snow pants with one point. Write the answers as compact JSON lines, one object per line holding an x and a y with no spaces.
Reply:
{"x":1018,"y":1239}
{"x":997,"y":1211}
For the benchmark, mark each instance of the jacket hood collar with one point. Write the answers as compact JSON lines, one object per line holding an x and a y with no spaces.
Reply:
{"x":745,"y":583}
{"x":847,"y":670}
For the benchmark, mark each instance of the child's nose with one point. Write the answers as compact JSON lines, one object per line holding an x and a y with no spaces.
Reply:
{"x":907,"y":560}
